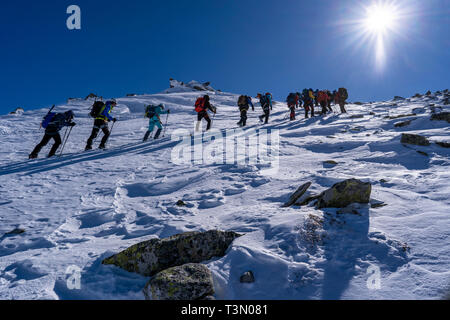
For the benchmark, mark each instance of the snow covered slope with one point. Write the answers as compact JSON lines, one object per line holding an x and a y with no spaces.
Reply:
{"x":83,"y":207}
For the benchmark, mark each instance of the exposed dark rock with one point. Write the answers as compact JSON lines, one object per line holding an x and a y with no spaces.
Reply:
{"x":414,"y":139}
{"x":297,"y":194}
{"x":16,"y":231}
{"x":150,"y":257}
{"x":443,"y":144}
{"x":375,"y":204}
{"x":18,"y":111}
{"x":443,"y":116}
{"x":187,"y":282}
{"x":181,"y":203}
{"x":91,"y":96}
{"x":402,"y":124}
{"x":400,"y":116}
{"x":247,"y":277}
{"x":422,"y":153}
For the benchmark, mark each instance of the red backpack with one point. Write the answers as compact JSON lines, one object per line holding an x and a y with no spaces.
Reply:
{"x":200,"y":105}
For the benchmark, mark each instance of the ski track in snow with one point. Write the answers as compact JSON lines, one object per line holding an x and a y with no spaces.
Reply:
{"x":79,"y":209}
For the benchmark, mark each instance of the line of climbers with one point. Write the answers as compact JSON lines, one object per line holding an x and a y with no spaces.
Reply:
{"x":53,"y":123}
{"x":100,"y":112}
{"x":308,"y":99}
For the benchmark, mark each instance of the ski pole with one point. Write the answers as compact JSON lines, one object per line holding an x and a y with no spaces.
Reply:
{"x":65,"y":141}
{"x":110,"y":132}
{"x":165,"y":126}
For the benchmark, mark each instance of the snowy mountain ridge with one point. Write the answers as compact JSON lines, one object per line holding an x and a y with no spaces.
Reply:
{"x":77,"y":210}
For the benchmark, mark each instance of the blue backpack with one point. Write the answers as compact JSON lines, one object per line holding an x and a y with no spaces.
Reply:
{"x":47,"y":119}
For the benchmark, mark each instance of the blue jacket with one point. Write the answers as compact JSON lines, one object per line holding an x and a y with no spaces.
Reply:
{"x":249,"y":101}
{"x":158,"y":112}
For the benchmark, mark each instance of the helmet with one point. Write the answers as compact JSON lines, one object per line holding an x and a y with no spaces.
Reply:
{"x":162,"y":106}
{"x":206,"y":97}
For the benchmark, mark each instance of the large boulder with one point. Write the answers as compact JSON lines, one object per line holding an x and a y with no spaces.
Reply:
{"x":187,"y":282}
{"x":414,"y":139}
{"x":345,"y":193}
{"x":443,"y":116}
{"x":150,"y":257}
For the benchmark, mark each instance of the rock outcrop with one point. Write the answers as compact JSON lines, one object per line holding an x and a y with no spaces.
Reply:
{"x":414,"y":139}
{"x":297,"y":194}
{"x":443,"y":116}
{"x":187,"y":282}
{"x":345,"y":193}
{"x":153,"y":256}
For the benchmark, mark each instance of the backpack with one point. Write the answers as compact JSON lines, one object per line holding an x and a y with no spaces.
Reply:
{"x":96,"y":109}
{"x":292,"y":98}
{"x":47,"y":119}
{"x":264,"y":101}
{"x":242,"y":101}
{"x":322,"y":96}
{"x":150,"y":111}
{"x":200,"y":105}
{"x":343,"y":94}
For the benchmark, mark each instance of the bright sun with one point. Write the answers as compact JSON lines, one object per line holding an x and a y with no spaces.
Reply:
{"x":380,"y":18}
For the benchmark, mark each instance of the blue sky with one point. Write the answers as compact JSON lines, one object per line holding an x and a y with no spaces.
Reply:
{"x":241,"y":46}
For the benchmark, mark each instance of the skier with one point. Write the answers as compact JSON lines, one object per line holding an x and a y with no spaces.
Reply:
{"x":270,"y":98}
{"x":316,"y":97}
{"x":330,"y":98}
{"x":53,"y":123}
{"x":342,"y":96}
{"x":266,"y":106}
{"x":201,"y":107}
{"x":243,"y":104}
{"x":322,"y":98}
{"x":307,"y":102}
{"x":101,"y":123}
{"x":153,"y":113}
{"x":292,"y":101}
{"x":298,"y":101}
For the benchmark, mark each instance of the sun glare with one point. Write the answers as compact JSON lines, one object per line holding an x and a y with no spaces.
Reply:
{"x":380,"y":18}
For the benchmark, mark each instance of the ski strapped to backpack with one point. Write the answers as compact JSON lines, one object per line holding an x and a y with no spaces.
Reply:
{"x":97,"y":109}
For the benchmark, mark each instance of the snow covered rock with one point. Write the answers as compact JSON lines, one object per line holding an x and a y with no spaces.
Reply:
{"x":345,"y":193}
{"x":415,"y":139}
{"x":443,"y":116}
{"x":187,"y":282}
{"x":192,"y":86}
{"x":18,"y":111}
{"x":150,"y":257}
